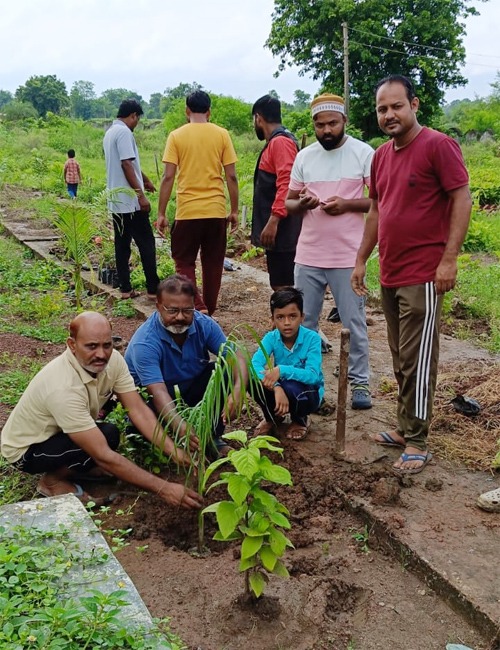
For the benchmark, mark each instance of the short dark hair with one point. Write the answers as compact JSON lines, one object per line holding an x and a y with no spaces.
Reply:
{"x":71,"y":153}
{"x":198,"y":102}
{"x":287,"y":296}
{"x":269,"y":108}
{"x":129,"y":106}
{"x":175,"y":285}
{"x":398,"y":79}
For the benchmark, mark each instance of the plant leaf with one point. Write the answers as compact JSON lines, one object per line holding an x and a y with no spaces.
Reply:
{"x":269,"y":501}
{"x":281,"y":570}
{"x":276,"y":474}
{"x":220,"y":538}
{"x":213,"y":507}
{"x":277,"y":541}
{"x":211,"y":469}
{"x":268,"y":557}
{"x":251,"y":546}
{"x":247,"y":563}
{"x":238,"y":488}
{"x":279,"y":519}
{"x":227,"y":518}
{"x":240,"y":436}
{"x":264,"y":444}
{"x":257,"y":583}
{"x":246,"y":462}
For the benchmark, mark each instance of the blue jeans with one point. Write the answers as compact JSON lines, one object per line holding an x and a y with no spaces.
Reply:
{"x":72,"y":189}
{"x":303,"y":400}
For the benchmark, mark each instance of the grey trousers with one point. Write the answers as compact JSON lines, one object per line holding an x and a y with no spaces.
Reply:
{"x":312,"y":281}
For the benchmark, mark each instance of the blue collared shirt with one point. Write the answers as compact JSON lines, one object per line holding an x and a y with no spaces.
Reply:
{"x":301,"y":363}
{"x":154,"y":357}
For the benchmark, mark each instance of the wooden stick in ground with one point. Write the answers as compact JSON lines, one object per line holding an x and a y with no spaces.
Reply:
{"x":345,"y":337}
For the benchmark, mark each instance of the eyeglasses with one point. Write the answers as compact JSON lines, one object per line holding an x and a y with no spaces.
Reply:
{"x":175,"y":311}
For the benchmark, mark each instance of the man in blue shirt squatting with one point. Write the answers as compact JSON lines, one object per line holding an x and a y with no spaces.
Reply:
{"x":172,"y":348}
{"x":294,"y":384}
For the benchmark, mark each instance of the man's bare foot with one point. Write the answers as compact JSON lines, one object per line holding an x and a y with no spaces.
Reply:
{"x":48,"y":487}
{"x":412,"y":461}
{"x":389,"y":439}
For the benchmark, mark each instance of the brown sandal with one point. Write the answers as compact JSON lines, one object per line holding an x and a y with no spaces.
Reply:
{"x":130,"y":294}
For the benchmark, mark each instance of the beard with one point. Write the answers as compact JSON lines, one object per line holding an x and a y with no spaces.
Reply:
{"x":259,"y":132}
{"x":330,"y":142}
{"x":177,"y":329}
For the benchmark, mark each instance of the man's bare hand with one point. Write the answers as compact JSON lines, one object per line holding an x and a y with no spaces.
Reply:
{"x":358,"y":280}
{"x":334,"y":205}
{"x":446,"y":276}
{"x":162,"y":225}
{"x":148,"y":185}
{"x":144,"y":203}
{"x":269,"y":232}
{"x":176,"y":494}
{"x":308,"y":201}
{"x":232,"y":221}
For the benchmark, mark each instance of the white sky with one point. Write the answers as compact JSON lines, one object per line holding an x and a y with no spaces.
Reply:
{"x":149,"y":45}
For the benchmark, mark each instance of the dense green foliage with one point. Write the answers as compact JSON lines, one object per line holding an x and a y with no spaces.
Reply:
{"x":422,"y":39}
{"x":46,"y":93}
{"x":40,"y":607}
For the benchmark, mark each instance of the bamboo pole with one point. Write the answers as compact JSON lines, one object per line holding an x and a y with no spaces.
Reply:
{"x":345,"y":337}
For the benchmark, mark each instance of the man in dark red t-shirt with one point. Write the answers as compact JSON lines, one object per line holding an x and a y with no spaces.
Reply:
{"x":419,"y":215}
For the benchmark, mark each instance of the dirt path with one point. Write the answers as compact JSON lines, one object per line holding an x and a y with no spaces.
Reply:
{"x":340,"y":596}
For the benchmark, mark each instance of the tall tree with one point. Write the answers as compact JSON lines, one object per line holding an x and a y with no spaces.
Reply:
{"x":46,"y":93}
{"x":421,"y":39}
{"x":5,"y":97}
{"x":82,"y":99}
{"x":110,"y":100}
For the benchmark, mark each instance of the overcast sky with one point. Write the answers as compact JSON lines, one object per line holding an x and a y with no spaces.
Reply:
{"x":149,"y":45}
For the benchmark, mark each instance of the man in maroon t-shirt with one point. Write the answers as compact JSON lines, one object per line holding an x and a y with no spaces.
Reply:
{"x":419,"y":215}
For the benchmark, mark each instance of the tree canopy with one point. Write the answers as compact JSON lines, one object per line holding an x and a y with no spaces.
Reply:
{"x":422,"y":39}
{"x":45,"y":93}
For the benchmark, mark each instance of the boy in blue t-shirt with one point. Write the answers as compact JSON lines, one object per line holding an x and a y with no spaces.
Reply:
{"x":294,"y":384}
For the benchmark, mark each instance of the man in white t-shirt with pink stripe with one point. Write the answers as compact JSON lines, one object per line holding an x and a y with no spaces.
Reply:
{"x":327,"y":186}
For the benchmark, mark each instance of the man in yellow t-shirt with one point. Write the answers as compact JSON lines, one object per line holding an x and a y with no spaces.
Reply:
{"x":200,"y":151}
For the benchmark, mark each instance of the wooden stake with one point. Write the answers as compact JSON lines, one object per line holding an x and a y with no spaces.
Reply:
{"x":243,"y":222}
{"x":345,"y":337}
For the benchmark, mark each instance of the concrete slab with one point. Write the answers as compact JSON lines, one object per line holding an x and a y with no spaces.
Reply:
{"x":50,"y":514}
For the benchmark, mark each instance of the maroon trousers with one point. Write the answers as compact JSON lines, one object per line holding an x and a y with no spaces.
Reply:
{"x":207,"y":237}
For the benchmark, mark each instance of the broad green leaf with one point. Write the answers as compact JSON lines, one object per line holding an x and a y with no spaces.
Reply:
{"x":246,"y":462}
{"x":276,"y":474}
{"x":279,"y":519}
{"x":264,"y":444}
{"x":213,"y":507}
{"x":227,"y":518}
{"x":240,"y":436}
{"x":247,"y":563}
{"x":238,"y":488}
{"x":221,"y":481}
{"x":211,"y":469}
{"x":268,"y":557}
{"x":250,"y":546}
{"x":220,"y":538}
{"x":278,"y":541}
{"x":257,"y":583}
{"x":267,"y":499}
{"x":281,"y":570}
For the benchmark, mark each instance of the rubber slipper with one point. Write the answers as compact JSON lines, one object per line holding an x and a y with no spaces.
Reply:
{"x":489,"y":501}
{"x":296,"y":431}
{"x":425,"y":458}
{"x":387,"y":440}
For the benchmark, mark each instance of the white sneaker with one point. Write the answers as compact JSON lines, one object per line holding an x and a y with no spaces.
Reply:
{"x":489,"y":501}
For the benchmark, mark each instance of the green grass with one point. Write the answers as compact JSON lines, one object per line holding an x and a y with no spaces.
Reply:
{"x":16,"y":376}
